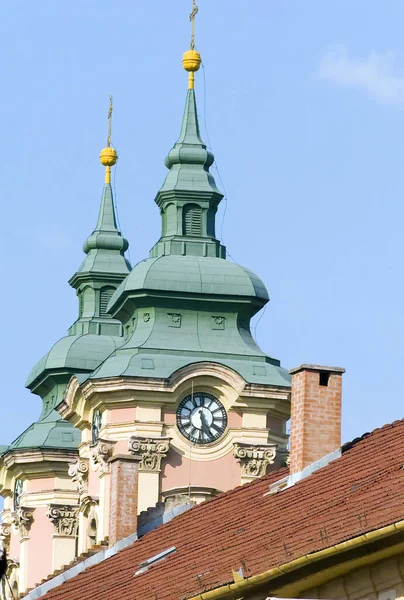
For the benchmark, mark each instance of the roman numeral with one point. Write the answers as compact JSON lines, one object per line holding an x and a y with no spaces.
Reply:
{"x":214,"y":426}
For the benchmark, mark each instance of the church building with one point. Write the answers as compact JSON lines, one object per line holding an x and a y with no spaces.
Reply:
{"x":158,"y":397}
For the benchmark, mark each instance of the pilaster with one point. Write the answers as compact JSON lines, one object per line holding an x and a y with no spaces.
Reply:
{"x":22,"y":519}
{"x":65,"y":521}
{"x":101,"y":453}
{"x":151,"y":452}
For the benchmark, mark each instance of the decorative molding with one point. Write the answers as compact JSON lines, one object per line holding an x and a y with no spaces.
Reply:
{"x":254,"y":459}
{"x":101,"y":452}
{"x":152,"y":450}
{"x":174,"y":319}
{"x":5,"y":535}
{"x":64,"y":519}
{"x":87,"y":502}
{"x":78,"y":471}
{"x":23,"y":518}
{"x":218,"y":322}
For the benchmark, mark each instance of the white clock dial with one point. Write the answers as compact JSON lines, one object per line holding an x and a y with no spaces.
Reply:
{"x":201,"y":418}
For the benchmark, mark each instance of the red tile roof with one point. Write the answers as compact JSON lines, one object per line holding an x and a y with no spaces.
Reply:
{"x":359,"y":492}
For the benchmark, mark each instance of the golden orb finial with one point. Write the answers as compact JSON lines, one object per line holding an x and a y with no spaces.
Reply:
{"x":192,"y":59}
{"x":108,"y":155}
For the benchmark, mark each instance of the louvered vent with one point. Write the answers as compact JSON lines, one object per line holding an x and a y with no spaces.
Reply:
{"x":81,"y":304}
{"x":192,"y":220}
{"x":105,"y":297}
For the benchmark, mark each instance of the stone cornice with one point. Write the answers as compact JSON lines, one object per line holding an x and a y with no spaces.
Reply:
{"x":254,"y":459}
{"x":28,"y":458}
{"x":120,"y":392}
{"x":151,"y":450}
{"x":41,"y":498}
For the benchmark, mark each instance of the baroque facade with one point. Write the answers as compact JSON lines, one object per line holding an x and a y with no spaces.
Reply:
{"x":158,"y":378}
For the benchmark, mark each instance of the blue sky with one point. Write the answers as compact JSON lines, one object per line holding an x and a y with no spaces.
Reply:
{"x":304,"y":110}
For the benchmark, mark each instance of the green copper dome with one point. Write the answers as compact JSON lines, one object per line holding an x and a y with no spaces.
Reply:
{"x":75,"y":353}
{"x":52,"y":432}
{"x":187,"y":304}
{"x":191,"y":275}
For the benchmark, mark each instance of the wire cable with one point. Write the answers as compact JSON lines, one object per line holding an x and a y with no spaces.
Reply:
{"x":115,"y":200}
{"x":215,"y":165}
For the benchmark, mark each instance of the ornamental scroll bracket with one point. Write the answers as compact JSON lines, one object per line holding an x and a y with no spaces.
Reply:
{"x":5,"y":536}
{"x":152,"y":451}
{"x":254,"y":460}
{"x":23,"y":518}
{"x":78,"y":471}
{"x":64,"y":519}
{"x":101,"y":452}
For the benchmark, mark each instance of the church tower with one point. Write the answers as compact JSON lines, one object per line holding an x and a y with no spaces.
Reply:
{"x":158,"y":394}
{"x":189,"y":392}
{"x":39,"y":494}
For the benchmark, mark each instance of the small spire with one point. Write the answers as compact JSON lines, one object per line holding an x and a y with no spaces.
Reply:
{"x":108,"y":156}
{"x":192,"y":59}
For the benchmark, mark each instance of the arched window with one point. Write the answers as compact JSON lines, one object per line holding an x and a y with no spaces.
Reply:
{"x":105,"y":297}
{"x":192,"y":220}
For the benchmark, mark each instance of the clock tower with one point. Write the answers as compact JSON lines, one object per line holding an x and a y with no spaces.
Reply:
{"x":188,"y":391}
{"x":159,"y":389}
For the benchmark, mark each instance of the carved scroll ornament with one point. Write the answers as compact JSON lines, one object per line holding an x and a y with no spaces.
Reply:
{"x":64,"y":519}
{"x":23,"y":518}
{"x":254,"y":460}
{"x":5,"y":535}
{"x":101,"y":452}
{"x":152,"y":450}
{"x":78,"y":471}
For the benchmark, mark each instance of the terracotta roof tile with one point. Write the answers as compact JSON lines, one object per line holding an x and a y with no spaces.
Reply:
{"x":357,"y":493}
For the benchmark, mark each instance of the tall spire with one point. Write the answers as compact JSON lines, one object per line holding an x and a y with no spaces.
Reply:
{"x":188,"y":198}
{"x":105,"y":265}
{"x":106,"y":235}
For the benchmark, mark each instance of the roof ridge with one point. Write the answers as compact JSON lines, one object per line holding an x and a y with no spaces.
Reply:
{"x":348,"y":445}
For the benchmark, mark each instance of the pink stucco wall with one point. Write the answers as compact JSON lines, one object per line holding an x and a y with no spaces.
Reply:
{"x":40,"y":547}
{"x":37,"y":485}
{"x":221,"y":474}
{"x":14,"y":544}
{"x":121,"y":415}
{"x":93,"y":483}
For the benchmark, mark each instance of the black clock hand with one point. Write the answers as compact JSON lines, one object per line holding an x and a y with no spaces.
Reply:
{"x":205,"y":426}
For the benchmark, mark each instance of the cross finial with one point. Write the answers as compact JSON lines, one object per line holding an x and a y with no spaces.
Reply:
{"x":192,"y":19}
{"x":109,"y":121}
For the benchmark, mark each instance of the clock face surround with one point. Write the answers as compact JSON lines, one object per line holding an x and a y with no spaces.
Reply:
{"x":201,"y":418}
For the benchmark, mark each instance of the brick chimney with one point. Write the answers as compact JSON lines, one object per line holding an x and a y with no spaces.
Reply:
{"x":316,"y":414}
{"x":123,"y":498}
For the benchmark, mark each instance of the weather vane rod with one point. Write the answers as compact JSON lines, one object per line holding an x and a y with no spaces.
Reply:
{"x":109,"y":121}
{"x":108,"y":156}
{"x":192,"y":19}
{"x":191,"y":59}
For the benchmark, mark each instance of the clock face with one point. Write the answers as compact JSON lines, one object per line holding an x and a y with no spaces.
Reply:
{"x":201,"y":418}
